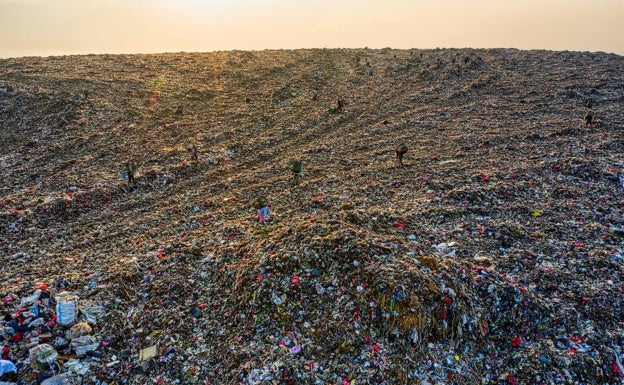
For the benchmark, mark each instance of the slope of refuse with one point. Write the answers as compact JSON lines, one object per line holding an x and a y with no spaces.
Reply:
{"x":494,"y":255}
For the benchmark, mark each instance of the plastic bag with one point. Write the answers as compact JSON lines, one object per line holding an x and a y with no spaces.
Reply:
{"x":78,"y":330}
{"x":62,"y":379}
{"x":42,"y":356}
{"x":66,"y":308}
{"x":84,"y":344}
{"x":7,"y":367}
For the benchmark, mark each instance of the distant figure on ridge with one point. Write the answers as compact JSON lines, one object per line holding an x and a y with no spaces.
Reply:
{"x":400,"y":151}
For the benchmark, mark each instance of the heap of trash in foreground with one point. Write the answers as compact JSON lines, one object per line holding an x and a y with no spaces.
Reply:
{"x":489,"y":253}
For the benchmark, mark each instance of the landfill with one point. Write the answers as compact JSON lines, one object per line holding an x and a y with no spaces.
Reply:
{"x":313,"y":216}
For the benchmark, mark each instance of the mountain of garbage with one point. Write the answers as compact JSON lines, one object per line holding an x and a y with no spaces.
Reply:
{"x":317,"y":216}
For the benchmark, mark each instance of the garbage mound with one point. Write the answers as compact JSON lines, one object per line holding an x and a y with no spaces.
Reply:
{"x":345,"y":216}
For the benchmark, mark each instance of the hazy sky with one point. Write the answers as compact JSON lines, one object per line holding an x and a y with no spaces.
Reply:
{"x":58,"y":27}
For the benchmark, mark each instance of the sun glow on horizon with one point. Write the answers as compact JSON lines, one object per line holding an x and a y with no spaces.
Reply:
{"x":54,"y":27}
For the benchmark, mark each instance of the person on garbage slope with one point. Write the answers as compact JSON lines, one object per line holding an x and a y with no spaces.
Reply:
{"x":264,"y":209}
{"x":296,"y":168}
{"x":179,"y":110}
{"x":589,"y":119}
{"x":400,"y":152}
{"x":340,"y":105}
{"x":192,"y":149}
{"x":130,"y":172}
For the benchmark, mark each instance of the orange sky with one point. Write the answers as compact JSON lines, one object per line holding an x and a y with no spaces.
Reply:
{"x":58,"y":27}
